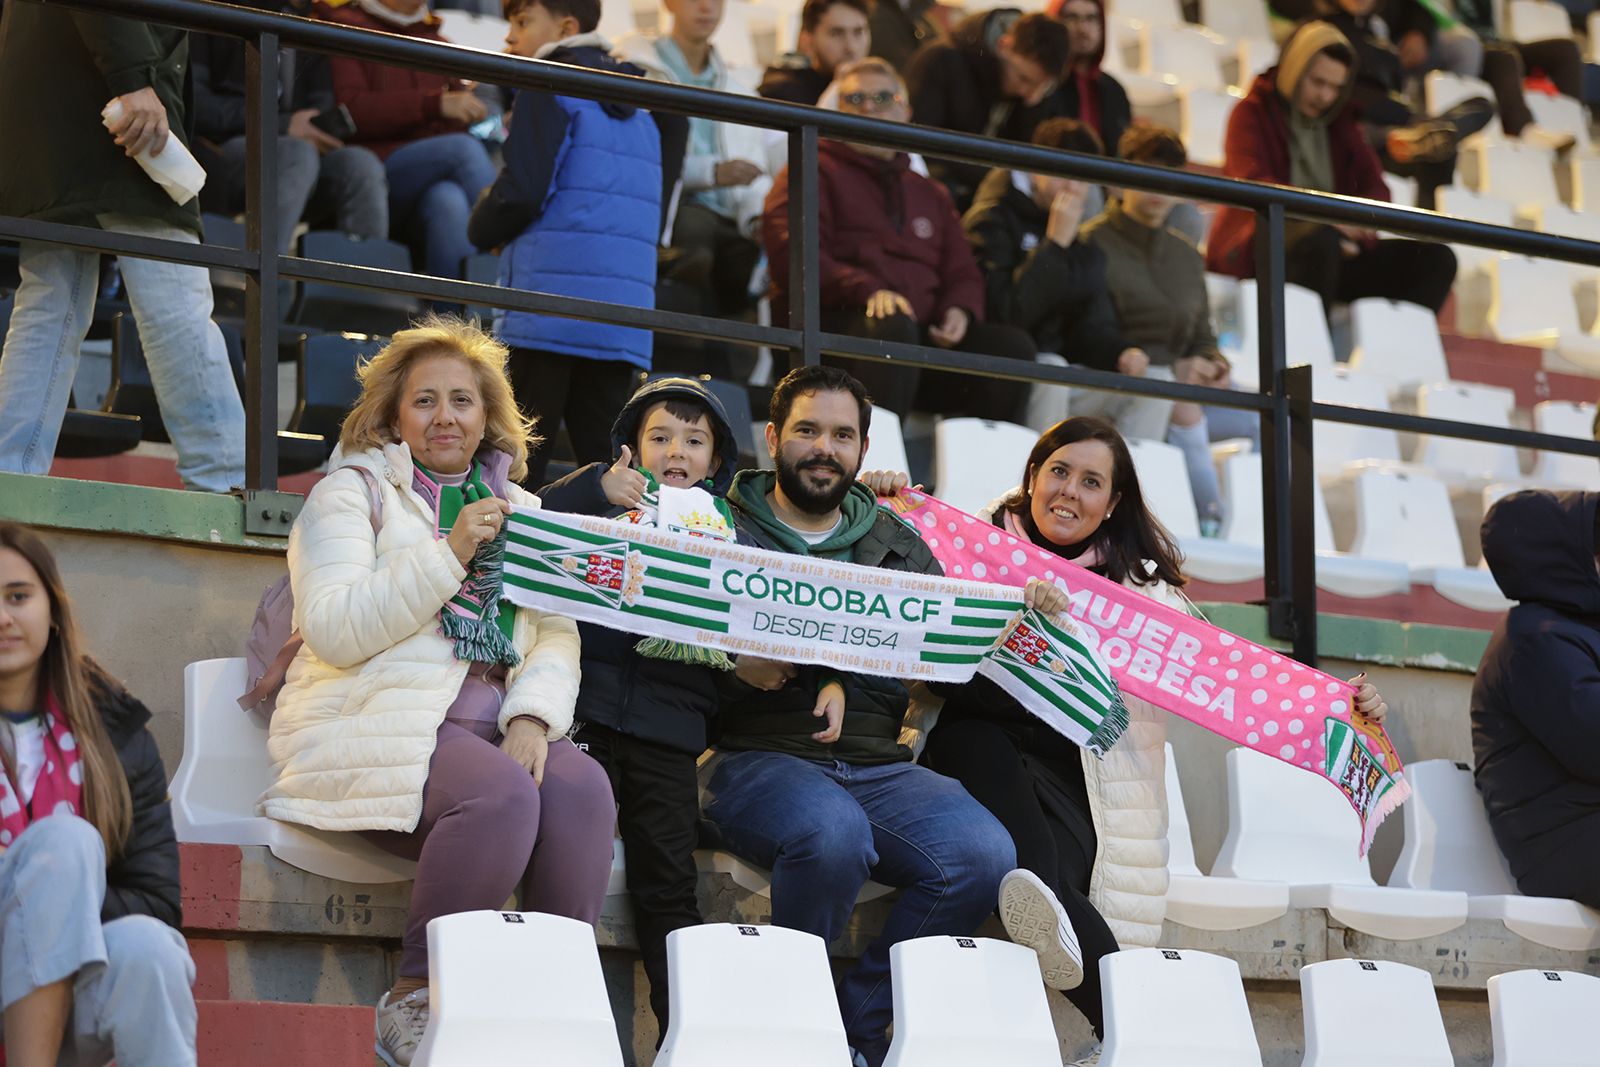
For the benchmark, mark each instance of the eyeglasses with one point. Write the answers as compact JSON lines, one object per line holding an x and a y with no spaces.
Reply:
{"x":880,"y":99}
{"x":1090,"y":19}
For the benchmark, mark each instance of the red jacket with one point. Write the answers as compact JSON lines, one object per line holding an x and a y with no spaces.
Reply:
{"x":1257,"y":149}
{"x":391,"y":106}
{"x":881,"y":227}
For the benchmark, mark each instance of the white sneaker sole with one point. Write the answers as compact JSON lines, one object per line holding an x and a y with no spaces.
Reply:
{"x":1033,"y":917}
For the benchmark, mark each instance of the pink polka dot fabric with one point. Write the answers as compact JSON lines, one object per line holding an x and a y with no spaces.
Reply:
{"x":59,"y":789}
{"x":1251,"y":695}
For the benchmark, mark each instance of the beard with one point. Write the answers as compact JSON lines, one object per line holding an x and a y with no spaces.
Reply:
{"x":807,"y":497}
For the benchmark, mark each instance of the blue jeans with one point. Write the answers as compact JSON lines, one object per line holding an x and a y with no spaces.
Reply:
{"x":347,"y":184}
{"x":188,"y":362}
{"x":433,"y":184}
{"x":825,"y":828}
{"x":130,"y":977}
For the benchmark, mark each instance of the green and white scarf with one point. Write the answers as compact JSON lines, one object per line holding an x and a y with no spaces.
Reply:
{"x":715,"y":594}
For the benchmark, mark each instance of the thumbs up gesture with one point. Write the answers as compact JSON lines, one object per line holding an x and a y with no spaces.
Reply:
{"x":623,"y":485}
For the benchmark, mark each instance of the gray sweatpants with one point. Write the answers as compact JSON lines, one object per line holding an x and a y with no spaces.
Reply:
{"x":130,"y":977}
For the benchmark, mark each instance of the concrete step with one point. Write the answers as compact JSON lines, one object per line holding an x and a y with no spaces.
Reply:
{"x":266,"y":1034}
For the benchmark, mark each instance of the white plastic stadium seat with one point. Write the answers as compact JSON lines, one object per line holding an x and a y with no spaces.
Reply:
{"x":1210,"y":903}
{"x":1204,"y":122}
{"x":1536,"y":20}
{"x":1365,"y":1011}
{"x":473,"y":30}
{"x":1397,"y":343}
{"x":616,"y":21}
{"x":1584,"y":179}
{"x":1402,"y":191}
{"x":1290,"y":825}
{"x":1482,"y":405}
{"x":1464,"y":203}
{"x":1561,"y":113}
{"x":1448,"y":845}
{"x":1520,"y":173}
{"x":1306,"y":335}
{"x":743,"y":995}
{"x":976,"y":460}
{"x":960,"y":1001}
{"x":1567,"y":418}
{"x":1186,"y":53}
{"x":1544,"y":1018}
{"x":224,"y":771}
{"x":1336,"y":445}
{"x":1235,"y":20}
{"x":1166,"y":1007}
{"x":500,"y":979}
{"x":1253,"y":57}
{"x":1164,"y":482}
{"x":1149,"y":12}
{"x":886,"y":443}
{"x":1336,"y":572}
{"x":1531,"y":303}
{"x":735,"y":35}
{"x":1407,"y":516}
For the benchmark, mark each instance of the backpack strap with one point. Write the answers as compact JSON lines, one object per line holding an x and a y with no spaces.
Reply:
{"x":273,"y":675}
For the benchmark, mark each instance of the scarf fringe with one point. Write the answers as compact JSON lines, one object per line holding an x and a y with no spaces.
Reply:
{"x":1112,"y":726}
{"x":479,"y":639}
{"x":678,"y":652}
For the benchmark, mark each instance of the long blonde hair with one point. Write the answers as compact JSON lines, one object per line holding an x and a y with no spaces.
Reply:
{"x":72,"y":678}
{"x":371,"y":421}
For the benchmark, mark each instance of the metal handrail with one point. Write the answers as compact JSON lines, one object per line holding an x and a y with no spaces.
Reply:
{"x":1285,"y":403}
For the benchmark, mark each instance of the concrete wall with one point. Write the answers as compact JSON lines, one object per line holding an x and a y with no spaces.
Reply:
{"x":148,"y":607}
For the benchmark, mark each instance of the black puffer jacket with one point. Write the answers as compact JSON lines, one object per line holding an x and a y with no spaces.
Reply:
{"x":1536,"y":699}
{"x":144,"y":879}
{"x":658,"y":700}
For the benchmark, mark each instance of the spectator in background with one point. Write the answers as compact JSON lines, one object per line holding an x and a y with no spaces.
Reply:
{"x":578,"y":209}
{"x":1158,"y":286}
{"x":320,"y":178}
{"x":1536,"y":697}
{"x":900,"y":28}
{"x":424,"y":710}
{"x":417,"y":124}
{"x":808,"y":778}
{"x":988,"y":78}
{"x":1087,"y":92}
{"x":93,"y":964}
{"x":66,"y":167}
{"x":1408,"y":143}
{"x":1295,"y":127}
{"x":1039,"y":276}
{"x":724,"y":169}
{"x":1506,"y":65}
{"x":894,"y":263}
{"x":832,"y":34}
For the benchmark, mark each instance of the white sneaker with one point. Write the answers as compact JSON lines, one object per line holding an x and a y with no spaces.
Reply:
{"x":400,"y":1027}
{"x":1091,"y":1060}
{"x":1034,"y":917}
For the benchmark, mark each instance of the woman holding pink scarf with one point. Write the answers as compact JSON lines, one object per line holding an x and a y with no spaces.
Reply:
{"x":1091,"y":834}
{"x":91,"y":963}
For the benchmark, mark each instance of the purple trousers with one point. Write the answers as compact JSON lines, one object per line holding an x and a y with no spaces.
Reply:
{"x":486,"y":830}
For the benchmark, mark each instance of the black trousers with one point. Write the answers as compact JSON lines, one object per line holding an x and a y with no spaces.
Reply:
{"x":1419,"y":272}
{"x":1506,"y":64}
{"x":710,"y":254}
{"x":584,"y":394}
{"x":1039,"y":798}
{"x":658,"y":812}
{"x":900,"y":388}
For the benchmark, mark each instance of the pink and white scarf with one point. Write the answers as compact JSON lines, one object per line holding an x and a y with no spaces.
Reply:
{"x":59,"y":789}
{"x":1253,"y":696}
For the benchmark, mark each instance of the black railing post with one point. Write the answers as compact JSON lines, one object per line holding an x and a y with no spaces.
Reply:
{"x":1302,"y":511}
{"x":804,"y":274}
{"x":261,"y":282}
{"x":1271,"y":334}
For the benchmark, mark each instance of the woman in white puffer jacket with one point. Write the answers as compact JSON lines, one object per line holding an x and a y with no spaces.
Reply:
{"x":423,"y":709}
{"x":1091,"y":833}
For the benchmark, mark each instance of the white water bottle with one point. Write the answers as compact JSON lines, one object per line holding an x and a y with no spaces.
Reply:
{"x":175,"y":169}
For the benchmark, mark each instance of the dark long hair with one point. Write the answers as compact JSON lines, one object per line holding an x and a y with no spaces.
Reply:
{"x":1131,"y":539}
{"x":69,"y":675}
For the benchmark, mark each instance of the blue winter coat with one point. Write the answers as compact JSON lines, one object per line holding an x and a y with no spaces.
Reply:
{"x":587,"y":177}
